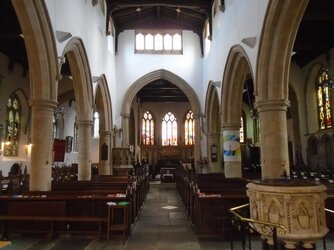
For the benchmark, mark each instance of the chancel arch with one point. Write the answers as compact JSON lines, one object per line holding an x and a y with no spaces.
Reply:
{"x":178,"y":82}
{"x":213,"y":125}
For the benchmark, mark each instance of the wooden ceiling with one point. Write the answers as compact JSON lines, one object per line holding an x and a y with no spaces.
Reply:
{"x":315,"y":35}
{"x":316,"y":32}
{"x":159,"y":14}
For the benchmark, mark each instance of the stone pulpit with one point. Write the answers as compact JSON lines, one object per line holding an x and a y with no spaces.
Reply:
{"x":297,"y":205}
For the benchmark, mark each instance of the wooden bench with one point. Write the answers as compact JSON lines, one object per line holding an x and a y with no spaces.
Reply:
{"x":52,"y":220}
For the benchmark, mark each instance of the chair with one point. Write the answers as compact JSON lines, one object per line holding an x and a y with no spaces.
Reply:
{"x":118,"y":220}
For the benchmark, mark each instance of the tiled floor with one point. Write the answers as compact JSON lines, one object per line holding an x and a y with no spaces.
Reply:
{"x":162,"y":225}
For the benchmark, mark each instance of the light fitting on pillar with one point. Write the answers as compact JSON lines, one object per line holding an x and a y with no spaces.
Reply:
{"x":95,"y":2}
{"x":62,"y":36}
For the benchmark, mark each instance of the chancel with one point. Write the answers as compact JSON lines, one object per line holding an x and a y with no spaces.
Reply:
{"x":157,"y":124}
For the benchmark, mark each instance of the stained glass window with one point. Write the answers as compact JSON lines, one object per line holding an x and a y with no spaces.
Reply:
{"x":324,"y":96}
{"x":189,"y":129}
{"x":13,"y":124}
{"x":169,"y":130}
{"x":147,"y":129}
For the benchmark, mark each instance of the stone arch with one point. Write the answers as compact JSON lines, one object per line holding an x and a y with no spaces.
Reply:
{"x":272,"y":80}
{"x":104,"y":108}
{"x":213,"y":127}
{"x":41,"y":48}
{"x":103,"y":103}
{"x":236,"y":72}
{"x":82,"y":80}
{"x":180,"y":83}
{"x":43,"y":70}
{"x":160,"y":74}
{"x":274,"y":57}
{"x":83,"y":91}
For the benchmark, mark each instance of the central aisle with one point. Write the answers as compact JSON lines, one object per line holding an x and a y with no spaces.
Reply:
{"x":162,"y":223}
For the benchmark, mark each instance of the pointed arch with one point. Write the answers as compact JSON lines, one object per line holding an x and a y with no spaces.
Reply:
{"x":173,"y":78}
{"x":278,"y":35}
{"x":103,"y":103}
{"x":82,"y":80}
{"x":236,"y":70}
{"x":41,"y":48}
{"x":160,"y":74}
{"x":212,"y":109}
{"x":213,"y":125}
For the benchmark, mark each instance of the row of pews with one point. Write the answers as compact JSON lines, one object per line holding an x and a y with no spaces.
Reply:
{"x":207,"y":198}
{"x":74,"y":206}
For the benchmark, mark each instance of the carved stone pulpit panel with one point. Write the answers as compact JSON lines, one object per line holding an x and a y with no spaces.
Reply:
{"x":298,"y":206}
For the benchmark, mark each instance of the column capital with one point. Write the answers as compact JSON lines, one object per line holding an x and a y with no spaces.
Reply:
{"x":43,"y":104}
{"x":230,"y":126}
{"x":105,"y":133}
{"x":125,"y":115}
{"x":272,"y":105}
{"x":84,"y":122}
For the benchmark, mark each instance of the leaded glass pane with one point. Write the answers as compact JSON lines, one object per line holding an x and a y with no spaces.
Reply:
{"x":189,"y":126}
{"x":147,"y":129}
{"x":169,"y":130}
{"x":140,"y":42}
{"x":324,"y":98}
{"x":13,"y":121}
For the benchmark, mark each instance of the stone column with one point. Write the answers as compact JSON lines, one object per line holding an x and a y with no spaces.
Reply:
{"x":125,"y":127}
{"x":273,"y":138}
{"x":197,"y":146}
{"x":232,"y":151}
{"x":84,"y":154}
{"x":42,"y":144}
{"x":105,"y":165}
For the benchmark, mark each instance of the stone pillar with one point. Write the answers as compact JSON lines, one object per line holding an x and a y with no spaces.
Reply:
{"x":197,"y":146}
{"x":273,"y":138}
{"x":84,"y":154}
{"x":126,"y":132}
{"x":214,"y":139}
{"x":105,"y":164}
{"x":42,"y":144}
{"x":232,"y":151}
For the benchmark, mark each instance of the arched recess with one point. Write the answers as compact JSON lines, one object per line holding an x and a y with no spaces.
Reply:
{"x":294,"y":128}
{"x":213,"y":128}
{"x":43,"y":70}
{"x":104,"y":108}
{"x":180,"y":83}
{"x":236,"y":71}
{"x":83,"y":91}
{"x":272,"y":80}
{"x":311,"y":99}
